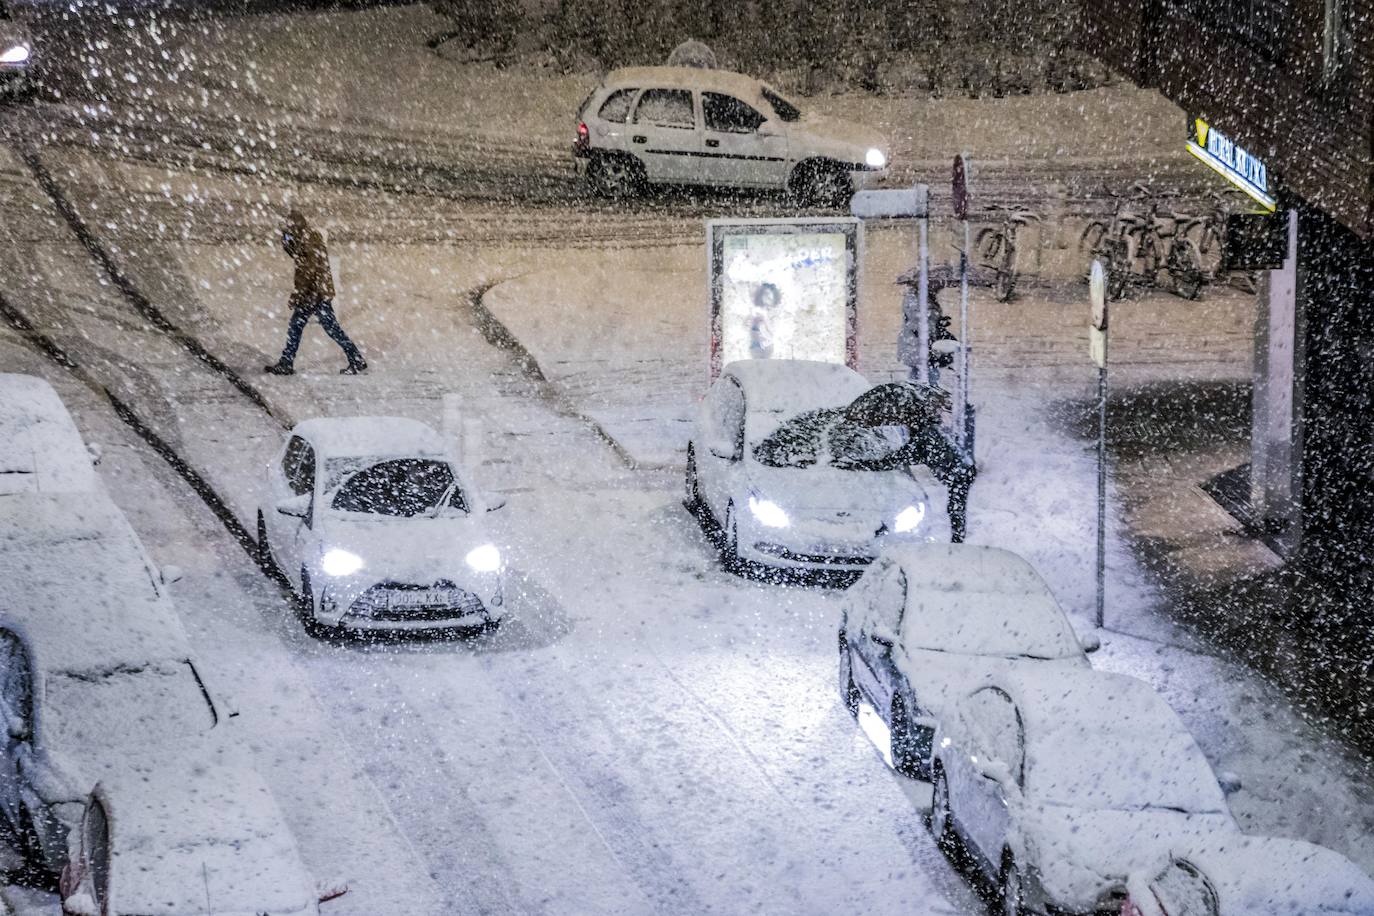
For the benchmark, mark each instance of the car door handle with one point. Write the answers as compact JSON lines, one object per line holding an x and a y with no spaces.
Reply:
{"x":639,"y":138}
{"x":713,"y":143}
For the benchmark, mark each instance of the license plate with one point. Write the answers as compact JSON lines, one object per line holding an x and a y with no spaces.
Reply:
{"x":428,"y":597}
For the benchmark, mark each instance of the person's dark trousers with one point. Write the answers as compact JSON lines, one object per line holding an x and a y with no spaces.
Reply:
{"x":324,"y":310}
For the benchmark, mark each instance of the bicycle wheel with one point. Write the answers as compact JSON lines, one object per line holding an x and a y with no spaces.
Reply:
{"x":1090,"y":240}
{"x":1185,"y":268}
{"x":1148,"y":255}
{"x":1116,"y":266}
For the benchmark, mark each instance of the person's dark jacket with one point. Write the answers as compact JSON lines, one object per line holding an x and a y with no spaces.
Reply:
{"x":313,"y":282}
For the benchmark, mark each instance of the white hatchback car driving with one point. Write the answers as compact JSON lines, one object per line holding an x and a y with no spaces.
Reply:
{"x":691,"y":126}
{"x":376,"y":526}
{"x":768,"y":474}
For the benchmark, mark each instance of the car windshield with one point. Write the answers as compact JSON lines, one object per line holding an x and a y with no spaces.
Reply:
{"x":970,"y":621}
{"x":134,"y":708}
{"x":400,"y":487}
{"x":827,"y":437}
{"x":784,"y":109}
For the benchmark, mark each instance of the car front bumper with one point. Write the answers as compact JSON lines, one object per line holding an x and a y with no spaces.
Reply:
{"x":404,"y":606}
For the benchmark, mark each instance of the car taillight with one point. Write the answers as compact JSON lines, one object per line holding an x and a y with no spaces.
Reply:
{"x":583,"y":138}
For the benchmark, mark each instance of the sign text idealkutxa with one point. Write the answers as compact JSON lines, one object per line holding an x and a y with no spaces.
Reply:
{"x":1230,"y":160}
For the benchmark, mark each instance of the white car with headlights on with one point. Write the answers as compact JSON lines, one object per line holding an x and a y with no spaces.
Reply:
{"x":693,"y":126}
{"x":775,"y":471}
{"x":187,"y":838}
{"x":377,"y":527}
{"x":929,"y":622}
{"x":1060,"y":783}
{"x":16,"y":54}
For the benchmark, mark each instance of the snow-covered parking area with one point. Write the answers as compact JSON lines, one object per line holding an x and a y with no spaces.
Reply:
{"x":645,"y":732}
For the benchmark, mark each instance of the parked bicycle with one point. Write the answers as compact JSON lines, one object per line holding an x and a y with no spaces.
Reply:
{"x":1113,"y":241}
{"x":996,"y":247}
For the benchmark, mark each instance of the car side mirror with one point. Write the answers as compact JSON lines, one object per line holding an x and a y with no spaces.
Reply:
{"x":1090,"y":643}
{"x":94,"y":451}
{"x":295,"y":506}
{"x":498,"y":503}
{"x":881,"y":641}
{"x":330,"y":890}
{"x":766,"y":129}
{"x":17,"y":729}
{"x":1229,"y":782}
{"x":996,"y":771}
{"x":727,"y":449}
{"x":170,"y":574}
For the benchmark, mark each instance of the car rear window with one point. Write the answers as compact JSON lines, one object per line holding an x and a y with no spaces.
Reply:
{"x":784,"y":109}
{"x":617,"y":107}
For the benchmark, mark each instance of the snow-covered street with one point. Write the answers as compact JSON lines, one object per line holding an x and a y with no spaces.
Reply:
{"x":648,"y":733}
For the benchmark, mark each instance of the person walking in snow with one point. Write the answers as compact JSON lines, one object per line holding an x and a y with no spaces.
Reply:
{"x":312,"y":296}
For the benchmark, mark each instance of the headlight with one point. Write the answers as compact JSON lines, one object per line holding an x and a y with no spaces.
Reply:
{"x":485,"y":558}
{"x":909,"y":519}
{"x":768,"y":512}
{"x":15,"y":55}
{"x":875,"y":158}
{"x":339,"y":562}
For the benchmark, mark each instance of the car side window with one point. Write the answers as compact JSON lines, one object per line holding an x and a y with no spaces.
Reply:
{"x":889,"y":601}
{"x":999,"y":727}
{"x":16,"y":695}
{"x":98,"y":852}
{"x":666,"y":108}
{"x":727,"y":114}
{"x":298,"y":464}
{"x":616,"y":108}
{"x":291,"y":458}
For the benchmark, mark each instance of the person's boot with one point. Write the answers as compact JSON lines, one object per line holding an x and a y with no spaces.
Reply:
{"x":354,"y":368}
{"x":279,"y":369}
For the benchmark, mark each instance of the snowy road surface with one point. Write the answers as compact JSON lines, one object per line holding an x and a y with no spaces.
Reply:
{"x":649,"y":734}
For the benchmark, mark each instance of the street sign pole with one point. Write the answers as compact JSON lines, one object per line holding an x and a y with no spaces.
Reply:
{"x":962,"y":407}
{"x":1097,"y":348}
{"x":923,"y":306}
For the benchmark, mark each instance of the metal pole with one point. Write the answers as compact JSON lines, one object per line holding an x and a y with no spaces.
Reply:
{"x":922,"y":370}
{"x":1102,"y":488}
{"x":966,"y":344}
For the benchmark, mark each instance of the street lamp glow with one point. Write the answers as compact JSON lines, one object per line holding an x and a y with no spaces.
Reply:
{"x":875,"y":158}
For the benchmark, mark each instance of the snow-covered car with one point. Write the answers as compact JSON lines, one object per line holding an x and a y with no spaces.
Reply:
{"x":184,"y":839}
{"x":16,"y":54}
{"x":1251,"y":876}
{"x":95,"y":667}
{"x":756,"y":478}
{"x":1060,"y":783}
{"x":40,"y":447}
{"x":927,"y":623}
{"x":692,"y":126}
{"x":377,"y":527}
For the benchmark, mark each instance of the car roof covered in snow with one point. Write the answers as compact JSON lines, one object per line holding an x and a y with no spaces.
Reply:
{"x":795,"y":385}
{"x":1097,"y":739}
{"x":40,"y":446}
{"x":708,"y":80}
{"x":79,"y":588}
{"x":1267,"y":876}
{"x":978,"y":600}
{"x":372,"y":437}
{"x":193,"y":837}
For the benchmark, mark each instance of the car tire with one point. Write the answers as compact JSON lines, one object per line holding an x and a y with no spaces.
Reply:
{"x":1011,"y":891}
{"x":693,"y":492}
{"x":729,"y":542}
{"x":265,"y":561}
{"x":941,"y":820}
{"x":305,"y":607}
{"x":849,"y":693}
{"x":906,"y":750}
{"x":615,"y":177}
{"x":820,"y":184}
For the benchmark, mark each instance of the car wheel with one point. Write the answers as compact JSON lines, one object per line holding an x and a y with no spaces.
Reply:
{"x":819,"y":184}
{"x":941,"y":823}
{"x":906,"y":744}
{"x":305,"y":606}
{"x":693,"y":494}
{"x":614,"y":177}
{"x":1012,"y":892}
{"x":729,"y":539}
{"x":848,"y":692}
{"x":265,"y":560}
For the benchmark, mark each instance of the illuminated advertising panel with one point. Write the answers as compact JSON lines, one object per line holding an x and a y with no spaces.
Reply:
{"x":1231,"y":161}
{"x":784,"y":289}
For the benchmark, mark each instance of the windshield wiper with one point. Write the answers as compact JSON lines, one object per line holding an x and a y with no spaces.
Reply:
{"x":434,"y":510}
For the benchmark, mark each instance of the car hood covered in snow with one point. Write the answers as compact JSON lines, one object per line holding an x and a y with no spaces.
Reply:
{"x":417,"y":549}
{"x":839,"y":132}
{"x":1084,"y":853}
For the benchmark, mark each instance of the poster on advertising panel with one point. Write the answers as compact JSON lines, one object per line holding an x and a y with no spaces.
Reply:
{"x":783,"y":289}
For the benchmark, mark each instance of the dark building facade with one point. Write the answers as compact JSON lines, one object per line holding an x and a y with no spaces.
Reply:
{"x":1292,"y":81}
